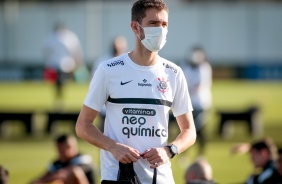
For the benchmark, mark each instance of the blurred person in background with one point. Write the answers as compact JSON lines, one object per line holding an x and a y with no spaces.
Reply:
{"x":263,"y":155}
{"x":198,"y":73}
{"x":63,"y":55}
{"x":4,"y":175}
{"x":71,"y":167}
{"x":119,"y":46}
{"x":199,"y":172}
{"x":139,"y":88}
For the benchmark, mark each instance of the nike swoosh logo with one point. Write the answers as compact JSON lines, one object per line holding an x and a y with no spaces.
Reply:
{"x":123,"y":83}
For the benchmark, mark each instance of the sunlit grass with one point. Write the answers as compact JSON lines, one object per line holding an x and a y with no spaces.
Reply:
{"x":27,"y":157}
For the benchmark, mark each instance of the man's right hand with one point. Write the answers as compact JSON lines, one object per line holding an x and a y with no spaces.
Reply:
{"x":124,"y":154}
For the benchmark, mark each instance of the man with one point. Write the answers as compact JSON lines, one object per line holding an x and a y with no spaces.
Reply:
{"x":71,"y":167}
{"x":139,"y":88}
{"x":200,"y":172}
{"x":263,"y":155}
{"x":198,"y":73}
{"x":63,"y":55}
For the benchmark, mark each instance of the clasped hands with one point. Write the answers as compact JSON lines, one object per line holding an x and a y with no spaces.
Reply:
{"x":126,"y":154}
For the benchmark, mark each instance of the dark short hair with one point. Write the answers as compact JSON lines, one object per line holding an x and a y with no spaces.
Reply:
{"x":197,"y":48}
{"x":138,"y":10}
{"x":267,"y":144}
{"x":59,"y":25}
{"x":62,"y":138}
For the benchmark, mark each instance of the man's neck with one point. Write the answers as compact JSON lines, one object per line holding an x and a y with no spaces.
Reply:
{"x":143,"y":57}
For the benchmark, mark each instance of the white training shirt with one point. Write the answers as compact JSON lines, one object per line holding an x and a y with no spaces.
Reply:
{"x":138,"y":100}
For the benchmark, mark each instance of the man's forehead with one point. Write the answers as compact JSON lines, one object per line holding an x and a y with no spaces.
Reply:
{"x":153,"y":14}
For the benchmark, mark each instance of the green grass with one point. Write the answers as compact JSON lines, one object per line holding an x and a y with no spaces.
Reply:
{"x":27,"y":157}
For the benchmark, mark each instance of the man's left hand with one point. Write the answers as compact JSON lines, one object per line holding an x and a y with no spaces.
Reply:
{"x":156,"y":156}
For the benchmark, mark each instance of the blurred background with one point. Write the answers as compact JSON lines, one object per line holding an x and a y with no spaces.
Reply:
{"x":242,"y":40}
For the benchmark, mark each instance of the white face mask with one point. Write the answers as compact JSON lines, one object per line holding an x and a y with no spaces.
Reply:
{"x":198,"y":57}
{"x":155,"y":38}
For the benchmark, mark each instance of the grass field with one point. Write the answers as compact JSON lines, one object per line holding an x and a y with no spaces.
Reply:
{"x":26,"y":157}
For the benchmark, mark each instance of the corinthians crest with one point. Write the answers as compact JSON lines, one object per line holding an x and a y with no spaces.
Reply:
{"x":163,"y":87}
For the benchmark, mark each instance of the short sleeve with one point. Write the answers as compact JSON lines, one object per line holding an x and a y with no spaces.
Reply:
{"x":97,"y":94}
{"x":181,"y":102}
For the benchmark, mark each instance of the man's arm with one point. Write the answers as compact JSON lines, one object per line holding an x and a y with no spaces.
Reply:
{"x":184,"y":140}
{"x":87,"y":131}
{"x":54,"y":177}
{"x":187,"y":135}
{"x":41,"y":179}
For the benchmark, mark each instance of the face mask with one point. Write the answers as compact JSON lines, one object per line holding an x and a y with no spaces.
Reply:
{"x":155,"y":38}
{"x":198,"y":57}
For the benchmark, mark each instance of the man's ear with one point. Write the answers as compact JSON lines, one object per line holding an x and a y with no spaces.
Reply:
{"x":134,"y":27}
